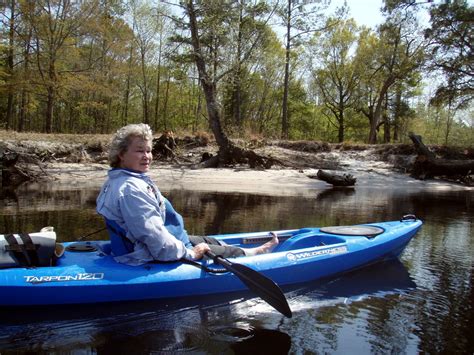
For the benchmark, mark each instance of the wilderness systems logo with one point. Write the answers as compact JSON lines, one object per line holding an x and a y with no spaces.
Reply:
{"x":62,"y":278}
{"x":315,"y":253}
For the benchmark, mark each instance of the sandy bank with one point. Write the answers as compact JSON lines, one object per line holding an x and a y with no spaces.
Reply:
{"x":275,"y":182}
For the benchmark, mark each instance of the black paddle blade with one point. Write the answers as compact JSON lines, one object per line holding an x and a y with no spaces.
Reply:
{"x":264,"y":287}
{"x":261,"y":285}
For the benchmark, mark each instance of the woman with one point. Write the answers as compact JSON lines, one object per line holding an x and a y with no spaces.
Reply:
{"x":143,"y":224}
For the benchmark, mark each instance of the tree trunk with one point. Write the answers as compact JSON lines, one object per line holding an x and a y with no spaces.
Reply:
{"x":165,"y":102}
{"x":376,"y":118}
{"x":397,"y":114}
{"x":24,"y":92}
{"x":237,"y":88}
{"x":144,"y":89}
{"x":48,"y":127}
{"x":208,"y":86}
{"x":228,"y":152}
{"x":11,"y":43}
{"x":386,"y":122}
{"x":341,"y":127}
{"x":285,"y":115}
{"x":158,"y":81}
{"x":427,"y":165}
{"x":127,"y":88}
{"x":449,"y":121}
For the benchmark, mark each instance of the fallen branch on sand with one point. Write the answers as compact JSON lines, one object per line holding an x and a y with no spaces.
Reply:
{"x":335,"y":179}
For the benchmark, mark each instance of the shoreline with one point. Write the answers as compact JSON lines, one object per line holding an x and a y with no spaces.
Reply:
{"x":72,"y":165}
{"x":274,"y":182}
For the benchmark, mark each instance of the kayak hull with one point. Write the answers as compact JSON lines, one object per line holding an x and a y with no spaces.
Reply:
{"x":92,"y":276}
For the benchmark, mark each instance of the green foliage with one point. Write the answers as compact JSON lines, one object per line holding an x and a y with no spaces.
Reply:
{"x":452,"y":36}
{"x":102,"y":64}
{"x":335,"y":77}
{"x":440,"y":126}
{"x":302,"y":127}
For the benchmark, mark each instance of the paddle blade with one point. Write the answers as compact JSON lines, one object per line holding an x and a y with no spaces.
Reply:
{"x":261,"y":285}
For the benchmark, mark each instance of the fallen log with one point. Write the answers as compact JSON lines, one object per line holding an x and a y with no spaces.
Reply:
{"x":335,"y":179}
{"x":428,"y":165}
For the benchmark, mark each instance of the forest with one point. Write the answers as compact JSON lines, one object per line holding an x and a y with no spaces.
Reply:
{"x":288,"y":69}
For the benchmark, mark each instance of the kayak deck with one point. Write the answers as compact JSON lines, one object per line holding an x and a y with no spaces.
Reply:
{"x":87,"y":272}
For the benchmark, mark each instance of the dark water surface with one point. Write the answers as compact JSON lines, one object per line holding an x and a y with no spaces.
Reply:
{"x":423,"y":303}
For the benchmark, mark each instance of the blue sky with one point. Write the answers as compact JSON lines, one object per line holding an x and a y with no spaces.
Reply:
{"x":367,"y":12}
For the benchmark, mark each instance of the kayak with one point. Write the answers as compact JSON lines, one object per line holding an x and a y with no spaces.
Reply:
{"x":86,"y":272}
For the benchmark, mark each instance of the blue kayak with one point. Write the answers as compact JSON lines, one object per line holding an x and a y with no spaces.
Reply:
{"x":87,"y":272}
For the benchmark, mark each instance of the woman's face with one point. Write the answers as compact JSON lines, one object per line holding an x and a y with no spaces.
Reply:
{"x":138,"y":156}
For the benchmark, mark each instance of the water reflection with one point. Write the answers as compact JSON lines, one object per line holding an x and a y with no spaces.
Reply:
{"x":349,"y":313}
{"x":196,"y":339}
{"x":335,"y":194}
{"x":380,"y":279}
{"x":423,"y":304}
{"x":212,"y":213}
{"x":442,"y":261}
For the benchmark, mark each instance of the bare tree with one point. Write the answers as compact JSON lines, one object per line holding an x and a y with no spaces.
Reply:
{"x":228,"y":152}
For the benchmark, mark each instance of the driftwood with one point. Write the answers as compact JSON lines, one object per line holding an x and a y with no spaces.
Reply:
{"x":16,"y":168}
{"x":335,"y":179}
{"x":427,"y":165}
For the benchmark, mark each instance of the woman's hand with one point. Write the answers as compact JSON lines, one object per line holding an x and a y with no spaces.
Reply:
{"x":199,"y":250}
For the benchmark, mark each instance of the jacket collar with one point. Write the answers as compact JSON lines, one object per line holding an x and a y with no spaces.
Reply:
{"x":116,"y":172}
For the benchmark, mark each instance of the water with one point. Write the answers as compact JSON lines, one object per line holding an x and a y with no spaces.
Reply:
{"x":423,"y":303}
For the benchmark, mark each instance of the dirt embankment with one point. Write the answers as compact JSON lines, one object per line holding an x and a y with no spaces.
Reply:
{"x":41,"y":156}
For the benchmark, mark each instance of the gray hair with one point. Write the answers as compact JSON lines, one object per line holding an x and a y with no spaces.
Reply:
{"x":122,"y":140}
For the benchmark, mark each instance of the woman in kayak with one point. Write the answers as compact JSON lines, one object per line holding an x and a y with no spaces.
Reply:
{"x":143,"y":225}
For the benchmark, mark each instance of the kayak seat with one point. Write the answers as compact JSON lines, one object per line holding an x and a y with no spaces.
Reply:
{"x":307,"y":240}
{"x":119,"y":243}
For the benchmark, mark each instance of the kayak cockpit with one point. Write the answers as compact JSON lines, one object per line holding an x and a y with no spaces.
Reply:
{"x":305,"y":237}
{"x":297,"y":240}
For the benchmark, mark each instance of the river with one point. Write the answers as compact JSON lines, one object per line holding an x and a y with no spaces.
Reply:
{"x":423,"y":303}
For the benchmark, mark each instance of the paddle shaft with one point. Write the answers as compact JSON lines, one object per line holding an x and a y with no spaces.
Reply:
{"x":261,"y":285}
{"x":88,"y":235}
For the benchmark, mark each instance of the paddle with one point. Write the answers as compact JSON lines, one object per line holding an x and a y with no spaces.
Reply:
{"x":261,"y":285}
{"x":88,"y":235}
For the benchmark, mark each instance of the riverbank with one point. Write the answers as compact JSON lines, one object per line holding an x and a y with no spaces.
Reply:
{"x":272,"y":182}
{"x":82,"y":161}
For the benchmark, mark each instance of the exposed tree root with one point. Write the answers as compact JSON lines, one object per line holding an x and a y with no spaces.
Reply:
{"x":427,"y":165}
{"x":233,"y":155}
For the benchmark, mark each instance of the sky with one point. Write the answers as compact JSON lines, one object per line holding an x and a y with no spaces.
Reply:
{"x":365,"y":12}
